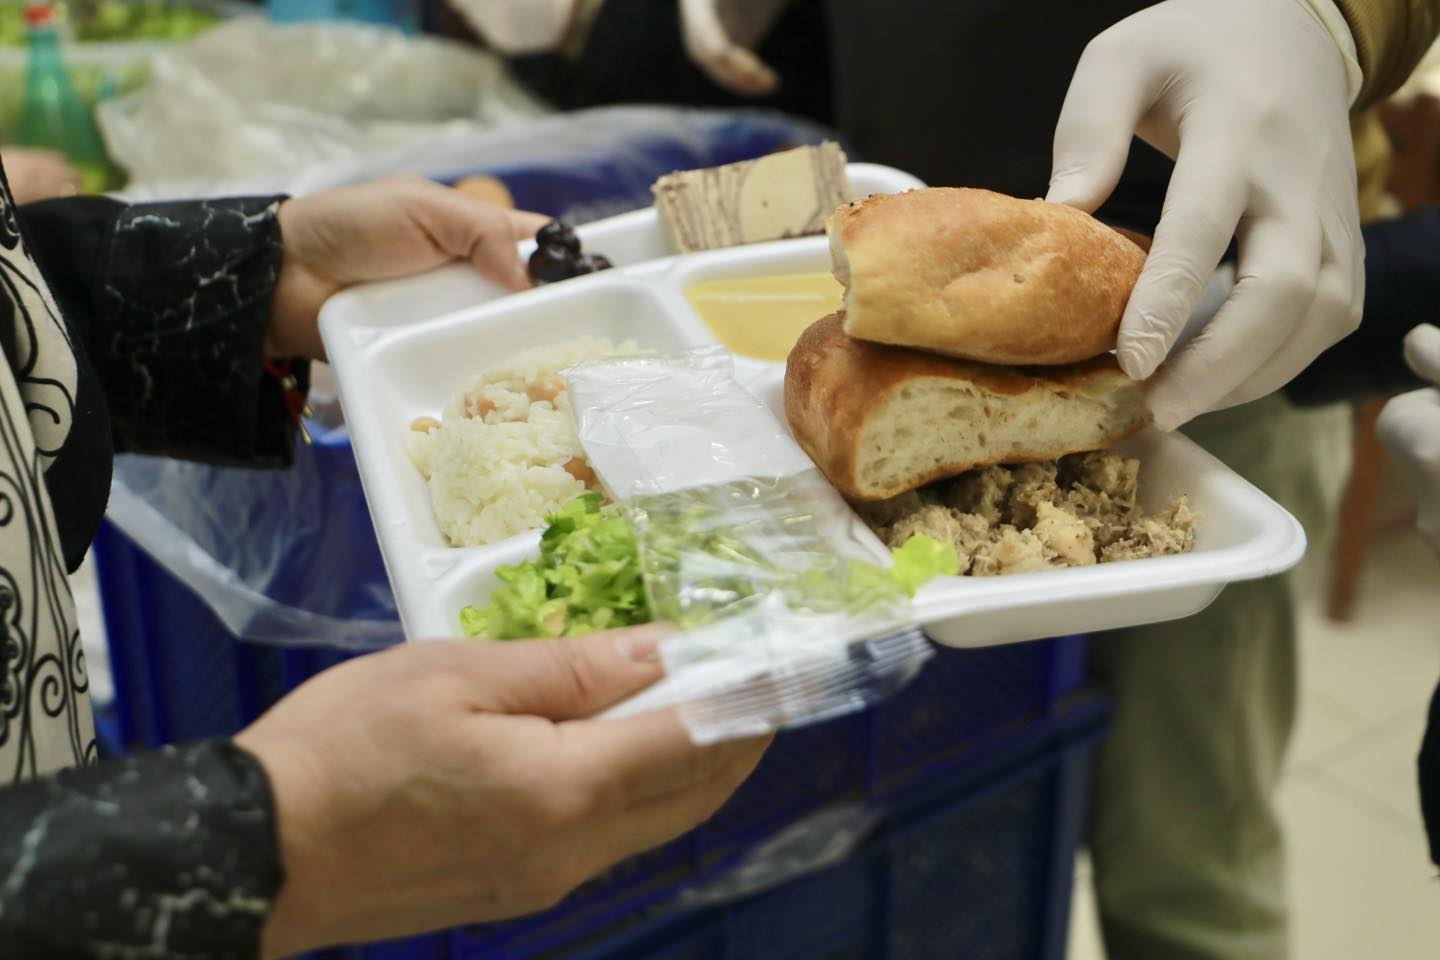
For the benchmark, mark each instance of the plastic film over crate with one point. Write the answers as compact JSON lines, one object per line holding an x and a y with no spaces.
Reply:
{"x":277,"y":555}
{"x":787,"y":610}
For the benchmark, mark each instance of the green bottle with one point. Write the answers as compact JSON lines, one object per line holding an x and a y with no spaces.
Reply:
{"x":52,"y":115}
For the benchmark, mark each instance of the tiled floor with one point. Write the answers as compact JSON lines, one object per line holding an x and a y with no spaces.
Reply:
{"x":1361,"y":885}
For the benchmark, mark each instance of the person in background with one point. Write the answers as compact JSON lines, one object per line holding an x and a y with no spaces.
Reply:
{"x":1396,"y":349}
{"x":636,"y":56}
{"x":1229,"y":130}
{"x":1409,"y":427}
{"x":39,"y":174}
{"x":426,"y":786}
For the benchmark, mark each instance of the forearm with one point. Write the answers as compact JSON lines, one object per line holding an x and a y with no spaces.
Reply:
{"x":172,"y":303}
{"x":171,"y":854}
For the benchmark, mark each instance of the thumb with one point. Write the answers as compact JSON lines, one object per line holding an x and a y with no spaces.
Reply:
{"x":1409,"y":430}
{"x":710,"y":46}
{"x":570,"y":677}
{"x":742,"y":72}
{"x":468,"y":228}
{"x":1102,"y":108}
{"x":492,"y":252}
{"x":524,"y":224}
{"x":1422,"y":352}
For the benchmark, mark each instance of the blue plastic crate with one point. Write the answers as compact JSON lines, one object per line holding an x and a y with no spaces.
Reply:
{"x":612,"y":904}
{"x":965,"y":696}
{"x":990,"y":874}
{"x":180,"y":675}
{"x":978,"y":865}
{"x":613,"y":178}
{"x":804,"y":770}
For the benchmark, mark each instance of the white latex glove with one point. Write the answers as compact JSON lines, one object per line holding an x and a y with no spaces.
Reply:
{"x":1409,"y":427}
{"x":1251,"y":99}
{"x":721,"y":35}
{"x":518,"y":26}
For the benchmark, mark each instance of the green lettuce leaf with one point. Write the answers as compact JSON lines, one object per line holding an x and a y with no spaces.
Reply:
{"x":588,"y":576}
{"x":921,"y":559}
{"x":472,"y":620}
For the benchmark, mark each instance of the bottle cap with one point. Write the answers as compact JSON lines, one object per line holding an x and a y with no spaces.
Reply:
{"x":40,"y":15}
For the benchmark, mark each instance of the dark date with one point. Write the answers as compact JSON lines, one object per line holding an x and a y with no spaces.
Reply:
{"x":558,"y":255}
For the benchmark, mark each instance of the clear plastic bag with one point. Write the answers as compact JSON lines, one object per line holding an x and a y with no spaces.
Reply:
{"x":283,"y":557}
{"x":252,"y":97}
{"x":788,"y":614}
{"x":823,"y":839}
{"x":255,"y":108}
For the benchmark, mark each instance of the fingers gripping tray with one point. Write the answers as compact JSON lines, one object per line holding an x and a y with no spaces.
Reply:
{"x":401,"y":350}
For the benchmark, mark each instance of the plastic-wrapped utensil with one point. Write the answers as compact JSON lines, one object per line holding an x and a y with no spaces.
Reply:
{"x":788,"y":612}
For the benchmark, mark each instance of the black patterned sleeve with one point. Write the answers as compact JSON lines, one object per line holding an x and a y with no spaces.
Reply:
{"x":171,"y":302}
{"x":171,"y":854}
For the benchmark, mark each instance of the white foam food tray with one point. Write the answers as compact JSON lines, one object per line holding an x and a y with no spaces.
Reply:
{"x":401,"y":349}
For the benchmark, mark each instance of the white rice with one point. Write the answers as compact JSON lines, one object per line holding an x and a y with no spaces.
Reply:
{"x":498,"y":475}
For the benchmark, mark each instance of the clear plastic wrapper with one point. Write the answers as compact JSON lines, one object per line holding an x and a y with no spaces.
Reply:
{"x":823,"y":839}
{"x":788,"y":612}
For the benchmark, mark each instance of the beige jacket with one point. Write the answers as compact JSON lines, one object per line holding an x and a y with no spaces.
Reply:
{"x":1390,"y":38}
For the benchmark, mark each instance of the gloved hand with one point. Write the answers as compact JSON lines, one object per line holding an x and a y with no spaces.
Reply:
{"x":518,"y":26}
{"x":720,"y":37}
{"x":1251,"y":99}
{"x":1409,"y":427}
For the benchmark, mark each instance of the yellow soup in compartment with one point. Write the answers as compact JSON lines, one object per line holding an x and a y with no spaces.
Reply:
{"x":762,"y":317}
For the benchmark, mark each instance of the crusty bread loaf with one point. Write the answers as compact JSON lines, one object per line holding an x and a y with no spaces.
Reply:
{"x":983,"y":276}
{"x":881,"y":420}
{"x":488,"y":188}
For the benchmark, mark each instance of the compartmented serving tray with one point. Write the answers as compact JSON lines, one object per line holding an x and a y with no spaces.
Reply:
{"x":401,"y":349}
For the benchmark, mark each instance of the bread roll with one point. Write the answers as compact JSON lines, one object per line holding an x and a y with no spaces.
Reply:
{"x":880,"y":420}
{"x":983,"y":276}
{"x":491,"y":189}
